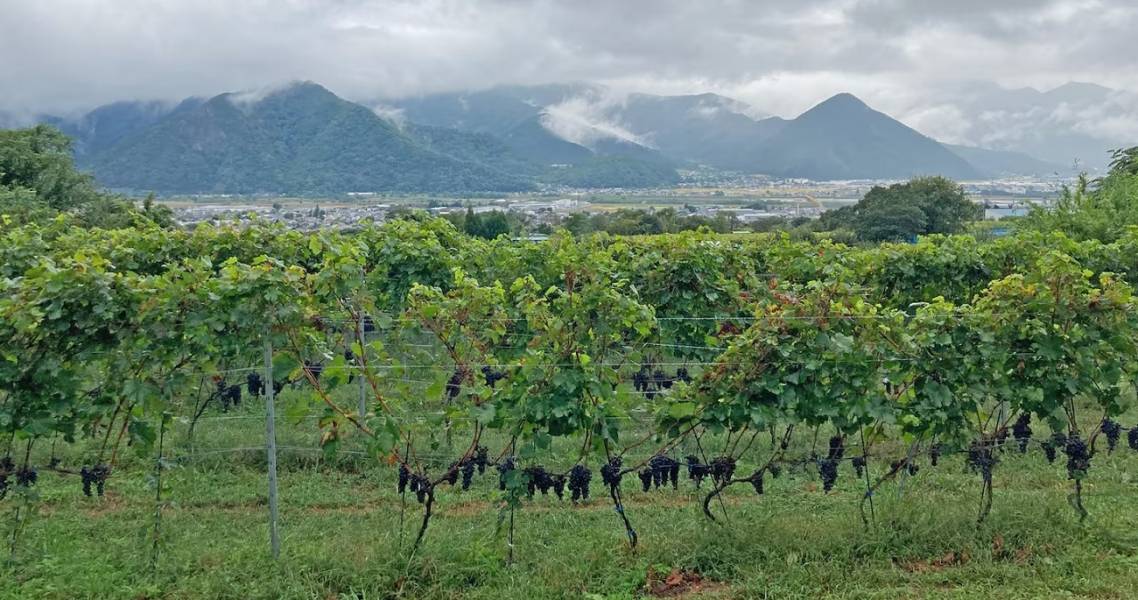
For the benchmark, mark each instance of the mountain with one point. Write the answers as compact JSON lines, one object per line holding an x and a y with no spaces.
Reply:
{"x":1075,"y":122}
{"x":703,"y":129}
{"x":298,"y":139}
{"x":842,"y":138}
{"x":1002,"y":163}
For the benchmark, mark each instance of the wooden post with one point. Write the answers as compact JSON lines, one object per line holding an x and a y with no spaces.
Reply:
{"x":360,"y":362}
{"x":271,"y":450}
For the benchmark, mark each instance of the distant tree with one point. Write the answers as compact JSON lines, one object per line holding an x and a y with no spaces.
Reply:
{"x":905,"y":210}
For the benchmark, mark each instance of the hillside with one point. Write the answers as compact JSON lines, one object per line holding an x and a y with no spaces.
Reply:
{"x":299,"y":139}
{"x":1000,"y":163}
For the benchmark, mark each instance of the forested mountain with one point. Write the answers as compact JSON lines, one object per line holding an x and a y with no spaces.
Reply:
{"x":299,"y":139}
{"x":302,"y":138}
{"x":842,"y":138}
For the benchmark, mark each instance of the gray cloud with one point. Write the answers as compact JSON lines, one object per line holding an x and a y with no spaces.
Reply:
{"x":912,"y":58}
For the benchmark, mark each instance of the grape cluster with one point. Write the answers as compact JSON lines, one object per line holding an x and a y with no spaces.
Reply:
{"x":277,"y":387}
{"x":661,"y":470}
{"x":421,"y":485}
{"x":254,"y":384}
{"x":645,"y":476}
{"x":1021,"y":430}
{"x":505,"y":467}
{"x":3,"y":484}
{"x":454,"y":384}
{"x":1078,"y":458}
{"x":470,"y":464}
{"x":314,"y":368}
{"x":858,"y":463}
{"x":775,"y":470}
{"x":697,"y":470}
{"x":481,"y":458}
{"x":468,"y":467}
{"x":756,"y":480}
{"x":96,"y":475}
{"x":368,"y":324}
{"x":934,"y":453}
{"x":722,"y":468}
{"x":828,"y":471}
{"x":451,"y":475}
{"x":1132,"y":438}
{"x":651,"y":382}
{"x":540,"y":480}
{"x":981,"y":459}
{"x":26,"y":477}
{"x":610,"y":473}
{"x":404,"y":478}
{"x":228,"y":395}
{"x":1051,"y":447}
{"x":492,"y":376}
{"x":1113,"y":432}
{"x":579,"y":477}
{"x":828,"y":467}
{"x":683,"y":375}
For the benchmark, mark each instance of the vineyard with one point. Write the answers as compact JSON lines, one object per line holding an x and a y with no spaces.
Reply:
{"x":469,"y":405}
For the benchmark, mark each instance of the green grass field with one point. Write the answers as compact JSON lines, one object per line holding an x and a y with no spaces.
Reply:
{"x":341,"y":534}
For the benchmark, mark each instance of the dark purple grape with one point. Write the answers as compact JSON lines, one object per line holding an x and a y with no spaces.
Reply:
{"x":1021,"y":429}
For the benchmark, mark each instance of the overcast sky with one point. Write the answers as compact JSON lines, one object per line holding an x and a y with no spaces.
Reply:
{"x":782,"y":56}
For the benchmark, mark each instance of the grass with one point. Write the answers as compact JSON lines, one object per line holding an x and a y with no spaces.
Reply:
{"x":340,"y":524}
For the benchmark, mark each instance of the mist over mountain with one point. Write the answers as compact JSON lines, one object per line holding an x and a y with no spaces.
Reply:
{"x":302,"y":138}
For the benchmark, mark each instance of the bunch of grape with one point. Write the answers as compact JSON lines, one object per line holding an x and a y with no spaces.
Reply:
{"x":1078,"y":459}
{"x":645,"y":476}
{"x":579,"y":477}
{"x":538,"y":479}
{"x":1113,"y":432}
{"x":421,"y":485}
{"x":775,"y":470}
{"x":558,"y":483}
{"x":1051,"y":447}
{"x":96,"y":475}
{"x":756,"y":480}
{"x":404,"y":477}
{"x":468,"y":467}
{"x":277,"y":387}
{"x":228,"y":395}
{"x":1021,"y":429}
{"x":722,"y":468}
{"x":828,"y":471}
{"x":837,"y":448}
{"x":3,"y":484}
{"x":454,"y":384}
{"x":610,"y":473}
{"x":651,"y":382}
{"x":664,"y":469}
{"x":451,"y":475}
{"x":1132,"y":438}
{"x":1001,"y":438}
{"x":26,"y":477}
{"x":697,"y":470}
{"x":858,"y":463}
{"x":368,"y":324}
{"x":507,"y":465}
{"x":934,"y":453}
{"x":981,"y":459}
{"x":481,"y":458}
{"x":682,"y":375}
{"x":492,"y":376}
{"x":254,"y":384}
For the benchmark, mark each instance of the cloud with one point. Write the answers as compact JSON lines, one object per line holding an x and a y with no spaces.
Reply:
{"x":911,"y":58}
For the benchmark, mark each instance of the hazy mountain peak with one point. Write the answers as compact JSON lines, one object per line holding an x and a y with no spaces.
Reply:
{"x":844,"y":101}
